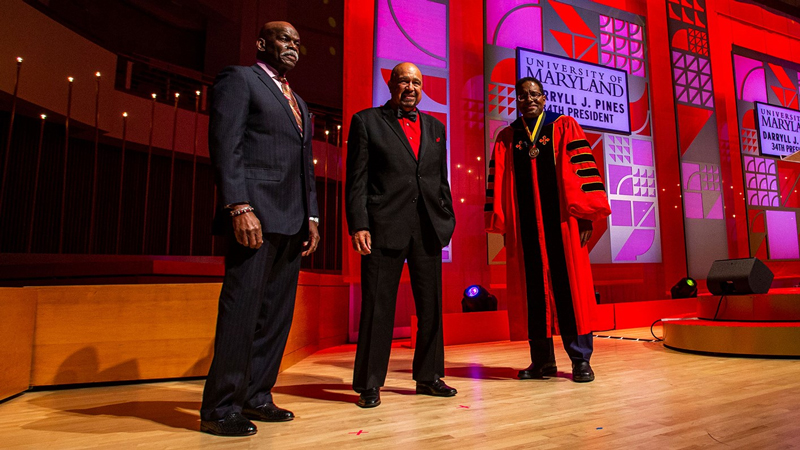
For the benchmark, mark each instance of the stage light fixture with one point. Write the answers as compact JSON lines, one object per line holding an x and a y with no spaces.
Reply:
{"x":686,"y":288}
{"x":477,"y":298}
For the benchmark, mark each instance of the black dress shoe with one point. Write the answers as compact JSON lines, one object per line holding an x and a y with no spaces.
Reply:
{"x":234,"y":424}
{"x":369,"y":398}
{"x":268,"y":413}
{"x":436,"y":388}
{"x":582,"y":372}
{"x":538,"y":371}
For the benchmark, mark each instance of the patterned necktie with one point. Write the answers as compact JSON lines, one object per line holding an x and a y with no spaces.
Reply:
{"x":287,"y":92}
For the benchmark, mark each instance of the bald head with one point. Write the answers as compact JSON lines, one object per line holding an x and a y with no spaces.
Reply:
{"x":278,"y":45}
{"x":404,"y":67}
{"x":405,"y":85}
{"x":270,"y":28}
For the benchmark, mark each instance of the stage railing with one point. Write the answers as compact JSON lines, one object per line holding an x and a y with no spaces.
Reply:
{"x":68,"y":189}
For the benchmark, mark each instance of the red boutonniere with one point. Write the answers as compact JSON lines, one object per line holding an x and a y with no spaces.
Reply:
{"x":438,"y":139}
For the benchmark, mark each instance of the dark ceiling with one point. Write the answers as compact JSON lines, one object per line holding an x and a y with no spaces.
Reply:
{"x":786,"y":8}
{"x":207,"y":35}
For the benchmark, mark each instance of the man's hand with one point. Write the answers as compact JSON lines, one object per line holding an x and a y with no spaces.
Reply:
{"x":310,"y":245}
{"x":362,"y":242}
{"x":247,"y":228}
{"x":585,"y":230}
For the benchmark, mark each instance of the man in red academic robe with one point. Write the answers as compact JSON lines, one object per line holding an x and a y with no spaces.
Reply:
{"x":544,"y":193}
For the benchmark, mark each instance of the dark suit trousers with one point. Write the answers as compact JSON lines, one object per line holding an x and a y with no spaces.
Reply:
{"x":578,"y":347}
{"x":380,"y":279}
{"x":255,"y":313}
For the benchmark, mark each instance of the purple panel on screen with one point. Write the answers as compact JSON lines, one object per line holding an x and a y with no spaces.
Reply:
{"x":750,"y":181}
{"x":638,"y":243}
{"x":687,"y":173}
{"x":635,"y":31}
{"x":412,"y":30}
{"x":763,"y":182}
{"x":605,"y":24}
{"x":620,"y":27}
{"x":716,"y":210}
{"x":640,"y":209}
{"x":750,"y":82}
{"x":625,"y":187}
{"x":679,"y":62}
{"x":782,"y":235}
{"x":693,"y":205}
{"x":620,"y":46}
{"x":752,"y":197}
{"x":694,"y":183}
{"x":749,"y":163}
{"x":616,"y":175}
{"x":650,"y":220}
{"x":705,"y":66}
{"x":621,"y":213}
{"x":642,"y":152}
{"x":522,"y":28}
{"x":497,"y":9}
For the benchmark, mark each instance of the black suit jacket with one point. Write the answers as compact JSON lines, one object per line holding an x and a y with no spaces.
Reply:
{"x":385,"y":181}
{"x":259,"y":155}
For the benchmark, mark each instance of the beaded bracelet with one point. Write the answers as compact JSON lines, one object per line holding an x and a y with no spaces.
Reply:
{"x":238,"y":212}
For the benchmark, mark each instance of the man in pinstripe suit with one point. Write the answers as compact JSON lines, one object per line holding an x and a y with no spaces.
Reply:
{"x":260,"y":145}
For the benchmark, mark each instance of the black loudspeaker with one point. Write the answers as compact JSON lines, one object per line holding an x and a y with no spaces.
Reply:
{"x":739,"y":277}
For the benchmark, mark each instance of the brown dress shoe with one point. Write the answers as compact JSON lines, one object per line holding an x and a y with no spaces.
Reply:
{"x":234,"y":424}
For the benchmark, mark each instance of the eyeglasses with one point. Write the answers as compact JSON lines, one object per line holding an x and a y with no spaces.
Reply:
{"x":522,"y":96}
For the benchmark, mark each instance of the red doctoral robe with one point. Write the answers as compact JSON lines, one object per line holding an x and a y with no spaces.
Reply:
{"x":535,"y":202}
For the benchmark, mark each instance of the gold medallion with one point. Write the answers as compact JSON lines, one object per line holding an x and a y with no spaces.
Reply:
{"x":533,"y":152}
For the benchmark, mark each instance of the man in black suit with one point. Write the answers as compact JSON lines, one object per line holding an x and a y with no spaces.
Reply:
{"x":399,"y":208}
{"x":260,"y":145}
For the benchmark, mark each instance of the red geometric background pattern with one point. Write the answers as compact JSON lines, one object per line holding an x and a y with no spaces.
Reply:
{"x":691,"y":13}
{"x":787,"y":91}
{"x":580,"y":43}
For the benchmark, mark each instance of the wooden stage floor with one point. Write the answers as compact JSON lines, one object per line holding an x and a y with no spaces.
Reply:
{"x":645,"y":396}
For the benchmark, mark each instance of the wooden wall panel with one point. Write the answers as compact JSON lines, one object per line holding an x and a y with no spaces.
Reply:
{"x":16,"y":339}
{"x":89,"y":334}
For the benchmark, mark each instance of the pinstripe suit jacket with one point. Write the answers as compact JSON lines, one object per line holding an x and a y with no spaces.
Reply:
{"x":258,"y":153}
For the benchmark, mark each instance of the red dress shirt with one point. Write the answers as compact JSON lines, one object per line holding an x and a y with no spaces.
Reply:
{"x":413,"y":133}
